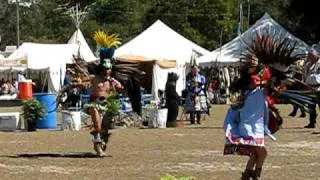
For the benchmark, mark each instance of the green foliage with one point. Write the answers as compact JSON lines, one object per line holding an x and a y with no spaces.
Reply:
{"x":113,"y":105}
{"x":199,"y":21}
{"x":33,"y":110}
{"x":171,"y":177}
{"x":304,"y":19}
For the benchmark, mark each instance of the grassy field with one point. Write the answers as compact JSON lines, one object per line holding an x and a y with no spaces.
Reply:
{"x":134,"y":154}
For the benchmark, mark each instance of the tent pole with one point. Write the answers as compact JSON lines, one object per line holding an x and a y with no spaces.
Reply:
{"x":248,"y":14}
{"x":61,"y":80}
{"x":18,"y":23}
{"x":241,"y":15}
{"x":221,"y":34}
{"x":45,"y":81}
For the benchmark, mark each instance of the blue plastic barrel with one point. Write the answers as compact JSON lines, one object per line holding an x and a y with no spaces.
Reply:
{"x":50,"y":119}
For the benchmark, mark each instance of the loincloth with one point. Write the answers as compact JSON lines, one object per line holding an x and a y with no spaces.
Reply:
{"x":98,"y":103}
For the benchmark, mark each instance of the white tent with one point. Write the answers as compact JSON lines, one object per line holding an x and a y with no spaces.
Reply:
{"x":78,"y":38}
{"x":51,"y":57}
{"x":230,"y":52}
{"x":161,"y":42}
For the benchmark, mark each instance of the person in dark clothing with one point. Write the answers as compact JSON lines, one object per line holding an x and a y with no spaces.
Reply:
{"x":172,"y":97}
{"x":313,"y":73}
{"x":298,"y":76}
{"x":133,"y":87}
{"x":295,"y":110}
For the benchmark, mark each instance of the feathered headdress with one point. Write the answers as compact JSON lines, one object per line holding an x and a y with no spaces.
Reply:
{"x":266,"y":62}
{"x":104,"y":40}
{"x":273,"y":54}
{"x":276,"y":50}
{"x":121,"y":70}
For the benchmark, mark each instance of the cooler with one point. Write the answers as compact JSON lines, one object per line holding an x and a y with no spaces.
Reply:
{"x":25,"y":89}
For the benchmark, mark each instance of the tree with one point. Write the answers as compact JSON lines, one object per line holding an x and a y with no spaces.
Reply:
{"x":200,"y":21}
{"x":8,"y":25}
{"x":304,"y":19}
{"x":3,"y":9}
{"x":125,"y":17}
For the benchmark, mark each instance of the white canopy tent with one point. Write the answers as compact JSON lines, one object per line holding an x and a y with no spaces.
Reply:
{"x":51,"y":57}
{"x":160,"y":42}
{"x":78,"y":38}
{"x":230,"y":52}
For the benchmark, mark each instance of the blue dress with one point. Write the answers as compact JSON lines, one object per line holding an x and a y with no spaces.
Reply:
{"x":247,"y":125}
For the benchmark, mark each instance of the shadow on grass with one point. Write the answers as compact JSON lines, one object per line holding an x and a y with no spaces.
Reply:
{"x":56,"y":155}
{"x":184,"y":126}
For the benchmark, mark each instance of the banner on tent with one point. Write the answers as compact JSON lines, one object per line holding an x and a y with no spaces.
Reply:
{"x":14,"y":63}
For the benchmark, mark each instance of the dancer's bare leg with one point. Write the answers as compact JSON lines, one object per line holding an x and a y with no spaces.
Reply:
{"x":95,"y":116}
{"x":251,"y":162}
{"x":249,"y":172}
{"x":261,"y":156}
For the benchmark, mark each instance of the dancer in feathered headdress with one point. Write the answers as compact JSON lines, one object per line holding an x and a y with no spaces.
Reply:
{"x":105,"y":77}
{"x":265,"y":75}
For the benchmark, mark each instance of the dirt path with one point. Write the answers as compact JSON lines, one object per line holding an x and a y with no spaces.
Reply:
{"x":148,"y":154}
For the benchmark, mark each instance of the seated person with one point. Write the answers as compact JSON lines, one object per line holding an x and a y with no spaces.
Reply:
{"x":12,"y":89}
{"x":5,"y":89}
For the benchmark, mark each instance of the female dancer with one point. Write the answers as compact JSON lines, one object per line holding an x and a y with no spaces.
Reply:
{"x":247,"y":121}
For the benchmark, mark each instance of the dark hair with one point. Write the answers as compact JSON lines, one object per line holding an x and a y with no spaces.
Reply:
{"x":172,"y":76}
{"x":194,"y":66}
{"x":242,"y":83}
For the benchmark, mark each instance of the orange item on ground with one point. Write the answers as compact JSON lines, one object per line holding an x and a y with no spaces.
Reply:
{"x":25,"y":89}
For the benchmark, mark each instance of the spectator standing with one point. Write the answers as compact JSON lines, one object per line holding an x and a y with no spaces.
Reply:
{"x":313,"y":79}
{"x":196,"y":99}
